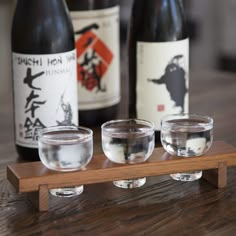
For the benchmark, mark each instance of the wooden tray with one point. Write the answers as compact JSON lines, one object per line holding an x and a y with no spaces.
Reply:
{"x":34,"y":177}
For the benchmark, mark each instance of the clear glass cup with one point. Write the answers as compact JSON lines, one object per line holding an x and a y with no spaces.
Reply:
{"x":128,"y":141}
{"x":186,"y":135}
{"x":65,"y":148}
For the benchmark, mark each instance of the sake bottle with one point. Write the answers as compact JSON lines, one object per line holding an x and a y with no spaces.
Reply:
{"x":158,"y":60}
{"x":44,"y":71}
{"x":96,"y":28}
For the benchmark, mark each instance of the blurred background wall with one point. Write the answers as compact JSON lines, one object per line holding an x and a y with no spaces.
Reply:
{"x":6,"y":12}
{"x":212,"y":29}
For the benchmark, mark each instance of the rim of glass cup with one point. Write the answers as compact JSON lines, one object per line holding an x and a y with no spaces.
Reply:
{"x":42,"y":135}
{"x":149,"y":128}
{"x":204,"y":121}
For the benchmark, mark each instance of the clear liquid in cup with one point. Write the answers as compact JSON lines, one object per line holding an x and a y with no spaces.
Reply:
{"x":128,"y":141}
{"x":65,"y":150}
{"x":128,"y":147}
{"x":187,"y":137}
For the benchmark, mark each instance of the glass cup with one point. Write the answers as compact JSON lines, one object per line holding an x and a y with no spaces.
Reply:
{"x":65,"y":148}
{"x":186,"y":135}
{"x":128,"y":141}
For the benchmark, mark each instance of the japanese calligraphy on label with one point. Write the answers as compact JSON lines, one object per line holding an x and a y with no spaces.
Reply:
{"x":162,"y":79}
{"x":45,"y":94}
{"x":97,"y":43}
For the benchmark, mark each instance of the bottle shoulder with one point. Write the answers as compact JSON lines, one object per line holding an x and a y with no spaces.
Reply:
{"x":157,"y":21}
{"x":42,"y":31}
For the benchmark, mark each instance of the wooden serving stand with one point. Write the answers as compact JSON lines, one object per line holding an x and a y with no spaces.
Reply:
{"x":36,"y":179}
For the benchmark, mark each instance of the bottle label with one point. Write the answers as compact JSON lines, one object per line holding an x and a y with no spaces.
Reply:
{"x":45,"y":94}
{"x":97,"y":43}
{"x":162,"y":79}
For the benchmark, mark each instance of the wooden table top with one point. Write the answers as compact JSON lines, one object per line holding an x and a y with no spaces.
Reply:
{"x":161,"y":207}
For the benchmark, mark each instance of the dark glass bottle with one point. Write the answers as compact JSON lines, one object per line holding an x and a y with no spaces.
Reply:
{"x":96,"y":25}
{"x":158,"y":55}
{"x":44,"y":71}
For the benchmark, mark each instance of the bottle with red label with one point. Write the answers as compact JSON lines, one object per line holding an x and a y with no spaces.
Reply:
{"x":44,"y":71}
{"x":96,"y":29}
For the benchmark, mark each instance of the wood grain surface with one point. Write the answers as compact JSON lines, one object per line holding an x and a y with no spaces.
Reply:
{"x":161,"y":207}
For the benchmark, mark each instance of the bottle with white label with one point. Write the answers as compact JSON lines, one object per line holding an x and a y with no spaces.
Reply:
{"x":96,"y":26}
{"x":158,"y":55}
{"x":44,"y":71}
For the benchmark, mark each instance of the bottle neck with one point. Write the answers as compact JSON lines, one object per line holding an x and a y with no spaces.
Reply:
{"x":158,"y":20}
{"x":84,"y":5}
